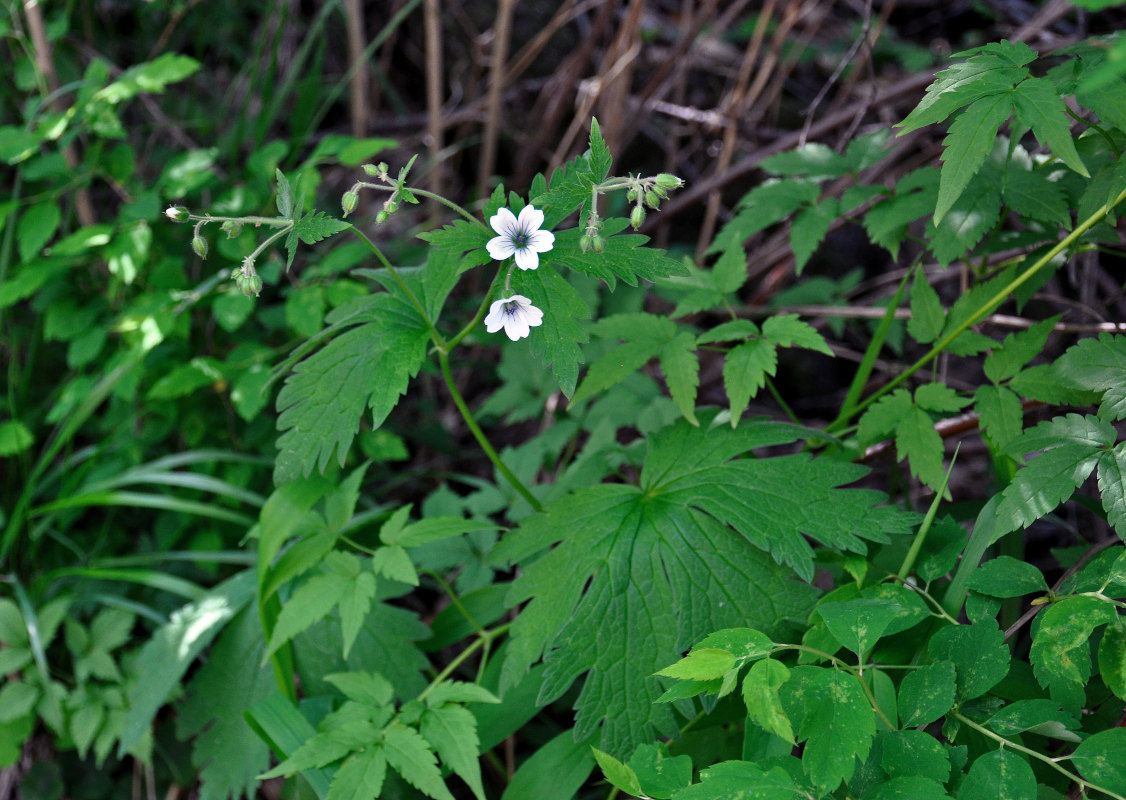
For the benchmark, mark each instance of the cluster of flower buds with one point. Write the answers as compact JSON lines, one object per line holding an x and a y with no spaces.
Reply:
{"x":399,"y":192}
{"x":247,"y":278}
{"x":649,"y":192}
{"x":592,"y":236}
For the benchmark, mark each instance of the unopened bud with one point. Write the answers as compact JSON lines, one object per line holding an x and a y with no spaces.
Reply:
{"x":637,"y":217}
{"x":249,"y":285}
{"x":631,"y":195}
{"x":199,"y":244}
{"x":585,"y":243}
{"x":381,"y":217}
{"x":348,"y":202}
{"x":232,"y":228}
{"x":177,"y":213}
{"x":667,"y":181}
{"x":371,"y":169}
{"x":391,"y":206}
{"x":598,"y":244}
{"x":652,"y":200}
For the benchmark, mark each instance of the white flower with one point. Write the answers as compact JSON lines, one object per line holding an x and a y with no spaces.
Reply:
{"x":515,"y":314}
{"x":520,"y":236}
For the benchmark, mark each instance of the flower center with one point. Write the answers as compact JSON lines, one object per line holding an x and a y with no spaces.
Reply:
{"x":511,"y":308}
{"x":520,"y":240}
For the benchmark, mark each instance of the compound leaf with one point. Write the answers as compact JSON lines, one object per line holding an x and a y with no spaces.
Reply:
{"x":452,"y":730}
{"x":970,"y":140}
{"x":960,"y":85}
{"x":410,"y":755}
{"x":1039,"y":106}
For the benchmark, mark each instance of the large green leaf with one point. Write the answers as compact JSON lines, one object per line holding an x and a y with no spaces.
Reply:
{"x":671,"y":560}
{"x":970,"y":140}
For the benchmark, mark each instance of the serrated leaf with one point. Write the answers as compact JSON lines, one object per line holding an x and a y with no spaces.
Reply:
{"x":858,"y":624}
{"x":285,"y":195}
{"x":313,"y":601}
{"x":836,"y":722}
{"x":660,"y":774}
{"x":914,"y":753}
{"x":433,"y":529}
{"x":368,"y":688}
{"x":1039,"y":106}
{"x":970,"y":140}
{"x":360,"y":777}
{"x":624,"y":256}
{"x":394,"y":563}
{"x":1034,"y":715}
{"x":760,"y":693}
{"x":458,"y":236}
{"x":1043,"y":382}
{"x":882,"y":418}
{"x":787,"y":330}
{"x":1101,"y":759}
{"x":745,"y":644}
{"x":917,"y":441}
{"x":36,"y":227}
{"x":616,"y":364}
{"x":740,"y":780}
{"x":1017,"y":349}
{"x":730,"y":269}
{"x":409,"y":755}
{"x":681,"y":368}
{"x":648,"y":557}
{"x":813,"y":160}
{"x":452,"y":730}
{"x":702,"y":664}
{"x":927,"y":313}
{"x":765,"y":205}
{"x":459,"y":692}
{"x":908,"y":787}
{"x":979,"y":653}
{"x":940,"y":398}
{"x":354,"y":607}
{"x":915,"y":195}
{"x":1112,"y":486}
{"x":927,"y":693}
{"x":973,"y":215}
{"x":961,"y":85}
{"x":323,"y":399}
{"x":556,"y":342}
{"x":1112,"y":658}
{"x":1000,"y":775}
{"x":311,"y":229}
{"x":618,"y":774}
{"x":599,"y":153}
{"x":1061,"y":645}
{"x":1099,"y":364}
{"x":1006,"y":576}
{"x":1032,"y":194}
{"x":808,"y":228}
{"x":745,"y":370}
{"x":1072,"y":447}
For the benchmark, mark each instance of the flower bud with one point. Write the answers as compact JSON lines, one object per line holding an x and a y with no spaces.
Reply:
{"x":667,"y":181}
{"x":637,"y":217}
{"x":631,"y":195}
{"x":652,"y":200}
{"x":585,"y":242}
{"x":391,"y":206}
{"x":177,"y":213}
{"x":199,"y":244}
{"x":232,"y":228}
{"x":598,"y":244}
{"x":381,"y":217}
{"x":348,"y":202}
{"x":371,"y":169}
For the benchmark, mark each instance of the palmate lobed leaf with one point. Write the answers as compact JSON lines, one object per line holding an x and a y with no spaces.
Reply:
{"x":322,"y":400}
{"x":669,"y":561}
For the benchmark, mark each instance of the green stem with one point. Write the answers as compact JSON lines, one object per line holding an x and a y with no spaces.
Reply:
{"x":482,"y":640}
{"x":473,"y":323}
{"x":1051,"y":762}
{"x":435,"y":336}
{"x":449,"y":204}
{"x":479,"y":435}
{"x":985,"y":309}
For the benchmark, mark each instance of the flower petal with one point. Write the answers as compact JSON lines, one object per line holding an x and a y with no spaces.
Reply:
{"x":531,"y":218}
{"x":527,"y":258}
{"x":504,"y":222}
{"x":500,"y":247}
{"x":541,"y":241}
